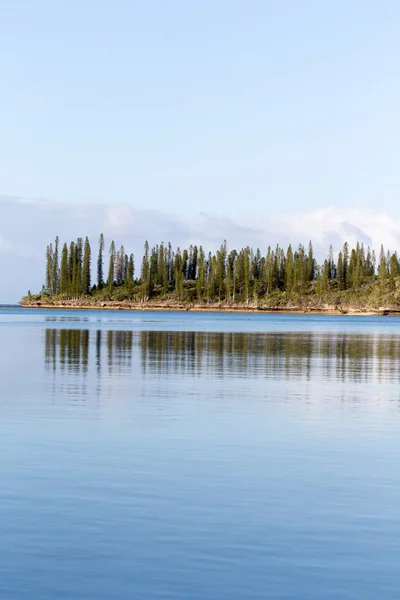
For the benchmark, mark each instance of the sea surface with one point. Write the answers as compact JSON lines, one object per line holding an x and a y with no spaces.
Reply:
{"x":198,"y":456}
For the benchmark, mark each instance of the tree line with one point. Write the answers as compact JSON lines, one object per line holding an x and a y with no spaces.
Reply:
{"x":232,"y":276}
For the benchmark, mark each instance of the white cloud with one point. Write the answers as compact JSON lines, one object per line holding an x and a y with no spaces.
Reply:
{"x":27,"y":227}
{"x":333,"y":226}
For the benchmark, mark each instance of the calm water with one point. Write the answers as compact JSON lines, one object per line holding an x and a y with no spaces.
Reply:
{"x":198,"y":456}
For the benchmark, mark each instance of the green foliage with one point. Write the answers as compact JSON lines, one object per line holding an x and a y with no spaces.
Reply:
{"x":243,"y":277}
{"x":100,"y":274}
{"x":111,"y":266}
{"x":86,"y":276}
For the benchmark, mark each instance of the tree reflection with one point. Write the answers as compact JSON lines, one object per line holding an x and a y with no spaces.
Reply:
{"x":301,"y":355}
{"x":69,"y":348}
{"x":273,"y":355}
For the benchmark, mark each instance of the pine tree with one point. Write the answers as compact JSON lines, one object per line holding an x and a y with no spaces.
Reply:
{"x":373,"y":262}
{"x":120,"y":265}
{"x":311,"y":262}
{"x":130,"y":272}
{"x":64,"y":282}
{"x":200,"y":283}
{"x":394,"y":265}
{"x":382,"y":269}
{"x":185,"y":261}
{"x":340,"y":272}
{"x":246,"y":283}
{"x":325,"y":275}
{"x":153,"y":268}
{"x":230,"y":269}
{"x":49,"y":270}
{"x":179,"y":273}
{"x":86,"y":281}
{"x":332,"y":266}
{"x":56,"y":272}
{"x":78,"y":279}
{"x":393,"y":270}
{"x":269,"y":264}
{"x":100,"y":274}
{"x":221,"y":269}
{"x":289,"y":269}
{"x":161,"y":267}
{"x":145,"y":274}
{"x":346,"y":265}
{"x":71,"y":268}
{"x":111,"y":266}
{"x":211,"y":277}
{"x":193,"y":273}
{"x":125,"y":273}
{"x":369,"y":269}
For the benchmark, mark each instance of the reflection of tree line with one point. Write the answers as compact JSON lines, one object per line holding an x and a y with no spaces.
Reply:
{"x":69,"y":348}
{"x":344,"y":356}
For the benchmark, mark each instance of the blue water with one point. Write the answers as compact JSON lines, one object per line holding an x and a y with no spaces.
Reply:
{"x":198,"y":456}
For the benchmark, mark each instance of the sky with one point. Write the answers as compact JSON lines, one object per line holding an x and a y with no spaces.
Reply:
{"x":254,"y":122}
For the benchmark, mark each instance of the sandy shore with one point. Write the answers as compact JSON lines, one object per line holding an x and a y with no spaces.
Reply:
{"x":152,"y":306}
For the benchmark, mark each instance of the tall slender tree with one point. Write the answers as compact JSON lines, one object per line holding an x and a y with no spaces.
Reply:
{"x":64,"y":282}
{"x":86,"y":267}
{"x":49,"y":270}
{"x":111,"y":266}
{"x":145,"y":273}
{"x":100,"y":271}
{"x":56,"y":272}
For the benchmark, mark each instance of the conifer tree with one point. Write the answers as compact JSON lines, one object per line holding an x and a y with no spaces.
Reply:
{"x":393,"y":270}
{"x":382,"y":269}
{"x":125,"y":273}
{"x":311,"y":262}
{"x":193,"y":273}
{"x":170,"y":262}
{"x":111,"y":266}
{"x":345,"y":259}
{"x":289,"y":269}
{"x":120,"y":265}
{"x":145,"y":273}
{"x":211,"y":277}
{"x":56,"y":273}
{"x":100,"y":273}
{"x":86,"y":282}
{"x":49,"y":270}
{"x":78,"y":279}
{"x":220,"y":270}
{"x":162,"y":275}
{"x":179,"y":273}
{"x":64,"y":283}
{"x":325,"y":275}
{"x":332,"y":266}
{"x":373,"y":262}
{"x":369,"y":268}
{"x":185,"y":260}
{"x":71,"y":268}
{"x":130,"y":271}
{"x":153,"y":268}
{"x":340,"y":272}
{"x":230,"y":269}
{"x":246,"y":283}
{"x":200,"y":283}
{"x":269,"y":264}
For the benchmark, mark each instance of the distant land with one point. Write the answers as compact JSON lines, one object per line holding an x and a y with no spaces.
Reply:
{"x":353,"y":282}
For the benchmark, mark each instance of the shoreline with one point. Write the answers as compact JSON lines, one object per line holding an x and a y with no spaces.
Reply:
{"x":154,"y":307}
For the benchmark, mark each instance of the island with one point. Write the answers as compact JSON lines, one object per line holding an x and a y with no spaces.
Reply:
{"x":355,"y":281}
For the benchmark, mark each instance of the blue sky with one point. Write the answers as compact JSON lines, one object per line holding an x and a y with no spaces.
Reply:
{"x":221,"y":108}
